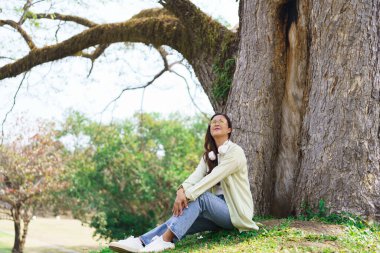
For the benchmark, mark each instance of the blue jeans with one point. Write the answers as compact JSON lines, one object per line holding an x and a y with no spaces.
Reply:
{"x":207,"y":213}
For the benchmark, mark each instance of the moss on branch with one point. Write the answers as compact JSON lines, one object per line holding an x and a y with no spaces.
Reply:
{"x":204,"y":42}
{"x":161,"y":30}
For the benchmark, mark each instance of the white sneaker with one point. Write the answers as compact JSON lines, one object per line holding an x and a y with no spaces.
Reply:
{"x":158,"y":245}
{"x":131,"y":244}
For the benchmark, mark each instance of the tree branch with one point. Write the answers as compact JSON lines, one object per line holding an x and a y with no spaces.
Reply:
{"x":189,"y":93}
{"x":79,"y":20}
{"x":157,"y":30}
{"x":207,"y":33}
{"x":5,"y":214}
{"x":16,"y":26}
{"x":8,"y":200}
{"x":10,"y":110}
{"x":25,"y":9}
{"x":97,"y":52}
{"x":62,"y":17}
{"x":163,"y":54}
{"x":180,"y":25}
{"x":5,"y":57}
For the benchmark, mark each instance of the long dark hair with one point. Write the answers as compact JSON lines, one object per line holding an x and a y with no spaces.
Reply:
{"x":210,"y":144}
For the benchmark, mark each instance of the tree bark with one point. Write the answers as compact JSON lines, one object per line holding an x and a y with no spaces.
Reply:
{"x":26,"y":221}
{"x":17,"y":246}
{"x":295,"y":16}
{"x":254,"y":103}
{"x":340,"y":146}
{"x":305,"y":103}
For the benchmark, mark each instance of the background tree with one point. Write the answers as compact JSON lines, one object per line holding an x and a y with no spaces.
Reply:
{"x":299,"y":78}
{"x":123,"y":176}
{"x":30,"y":171}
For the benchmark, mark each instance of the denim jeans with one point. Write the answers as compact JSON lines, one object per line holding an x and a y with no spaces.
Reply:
{"x":207,"y":213}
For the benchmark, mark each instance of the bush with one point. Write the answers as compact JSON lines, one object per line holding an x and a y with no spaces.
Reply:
{"x":124,"y":175}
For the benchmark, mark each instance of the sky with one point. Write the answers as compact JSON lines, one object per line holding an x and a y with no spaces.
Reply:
{"x":51,"y":90}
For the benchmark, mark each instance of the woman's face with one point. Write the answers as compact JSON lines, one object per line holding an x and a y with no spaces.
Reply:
{"x":219,"y":127}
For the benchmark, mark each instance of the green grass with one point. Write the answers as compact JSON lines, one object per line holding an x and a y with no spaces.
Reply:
{"x":285,"y":237}
{"x":5,"y":247}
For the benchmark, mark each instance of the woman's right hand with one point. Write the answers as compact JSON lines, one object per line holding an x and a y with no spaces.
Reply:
{"x":180,"y":202}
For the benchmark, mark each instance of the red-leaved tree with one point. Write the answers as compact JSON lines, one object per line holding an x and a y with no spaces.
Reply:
{"x":30,"y":170}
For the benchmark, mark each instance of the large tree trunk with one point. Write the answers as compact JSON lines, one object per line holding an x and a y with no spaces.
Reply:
{"x":340,"y":132}
{"x":254,"y":102}
{"x":305,"y":104}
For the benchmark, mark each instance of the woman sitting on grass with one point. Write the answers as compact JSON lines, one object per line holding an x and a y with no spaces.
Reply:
{"x":215,"y":196}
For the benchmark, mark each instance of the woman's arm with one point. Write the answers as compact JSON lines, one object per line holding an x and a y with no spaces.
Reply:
{"x":196,"y":176}
{"x":181,"y":201}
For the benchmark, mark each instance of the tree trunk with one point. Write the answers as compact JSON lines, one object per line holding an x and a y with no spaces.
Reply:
{"x":254,"y":103}
{"x":17,"y":246}
{"x":295,"y":16}
{"x":341,"y":129}
{"x":305,"y":104}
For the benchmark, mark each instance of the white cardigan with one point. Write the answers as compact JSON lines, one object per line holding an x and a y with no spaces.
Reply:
{"x":232,"y":173}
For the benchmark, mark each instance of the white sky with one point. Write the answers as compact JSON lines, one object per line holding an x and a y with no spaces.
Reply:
{"x":52,"y":89}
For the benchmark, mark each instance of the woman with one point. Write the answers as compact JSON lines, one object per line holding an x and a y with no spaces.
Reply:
{"x":215,"y":196}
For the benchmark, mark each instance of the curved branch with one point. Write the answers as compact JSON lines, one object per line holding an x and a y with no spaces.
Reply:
{"x":11,"y":109}
{"x":97,"y":52}
{"x":180,"y":25}
{"x":16,"y":26}
{"x":210,"y":33}
{"x":163,"y":54}
{"x":189,"y":93}
{"x":25,"y":9}
{"x":79,"y":20}
{"x":208,"y":36}
{"x":62,"y":17}
{"x":164,"y":30}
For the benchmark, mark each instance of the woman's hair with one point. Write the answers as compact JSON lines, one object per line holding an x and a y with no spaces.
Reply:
{"x":210,"y":144}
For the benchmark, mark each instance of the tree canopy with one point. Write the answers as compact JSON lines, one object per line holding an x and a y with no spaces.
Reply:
{"x":123,"y":176}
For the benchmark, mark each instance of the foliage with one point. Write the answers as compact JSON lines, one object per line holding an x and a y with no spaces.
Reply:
{"x":124,"y":175}
{"x":223,"y":82}
{"x":30,"y":171}
{"x":324,"y":215}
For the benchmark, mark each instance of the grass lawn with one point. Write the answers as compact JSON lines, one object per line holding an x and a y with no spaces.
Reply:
{"x":275,"y":235}
{"x":6,"y":242}
{"x":285,"y":235}
{"x":50,"y":235}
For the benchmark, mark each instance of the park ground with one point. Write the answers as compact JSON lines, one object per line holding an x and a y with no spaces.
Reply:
{"x":51,"y":235}
{"x":285,"y":236}
{"x":288,"y":235}
{"x":275,"y":235}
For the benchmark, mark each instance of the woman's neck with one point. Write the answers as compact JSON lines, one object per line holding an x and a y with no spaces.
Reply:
{"x":220,"y":141}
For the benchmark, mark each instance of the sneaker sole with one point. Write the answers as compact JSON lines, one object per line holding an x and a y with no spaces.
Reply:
{"x":122,"y":250}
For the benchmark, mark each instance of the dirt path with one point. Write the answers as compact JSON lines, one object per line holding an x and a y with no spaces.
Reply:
{"x":50,"y":235}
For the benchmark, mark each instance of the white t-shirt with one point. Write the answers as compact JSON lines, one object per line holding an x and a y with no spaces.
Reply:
{"x":218,"y":189}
